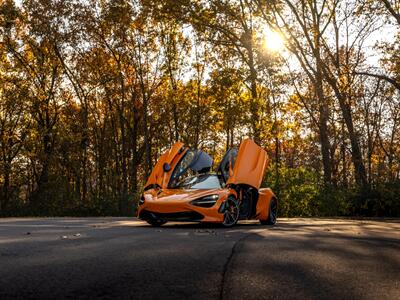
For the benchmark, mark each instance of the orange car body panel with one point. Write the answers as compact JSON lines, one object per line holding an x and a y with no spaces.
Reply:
{"x":158,"y":176}
{"x":265,"y":196}
{"x":178,"y":200}
{"x":251,"y":163}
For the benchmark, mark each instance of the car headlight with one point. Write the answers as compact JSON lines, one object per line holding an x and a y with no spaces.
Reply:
{"x":206,"y":201}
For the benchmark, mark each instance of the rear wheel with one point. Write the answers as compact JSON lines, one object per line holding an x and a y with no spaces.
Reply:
{"x":156,"y":222}
{"x":273,"y":213}
{"x":231,"y":212}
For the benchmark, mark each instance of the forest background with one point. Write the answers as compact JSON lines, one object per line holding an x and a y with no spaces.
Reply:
{"x":92,"y":92}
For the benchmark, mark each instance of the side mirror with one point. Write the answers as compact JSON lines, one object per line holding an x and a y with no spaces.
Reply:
{"x":166,"y":167}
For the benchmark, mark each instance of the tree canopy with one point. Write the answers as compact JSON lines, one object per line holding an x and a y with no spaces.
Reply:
{"x":93,"y":92}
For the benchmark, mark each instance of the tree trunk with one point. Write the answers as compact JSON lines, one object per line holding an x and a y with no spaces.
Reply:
{"x":343,"y":152}
{"x":176,"y":121}
{"x":146,"y":138}
{"x":356,"y":155}
{"x":254,"y":95}
{"x":254,"y":109}
{"x":325,"y":144}
{"x":124,"y":195}
{"x":6,"y":188}
{"x":322,"y":106}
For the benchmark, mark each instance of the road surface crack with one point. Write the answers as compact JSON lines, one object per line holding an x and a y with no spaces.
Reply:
{"x":222,"y":294}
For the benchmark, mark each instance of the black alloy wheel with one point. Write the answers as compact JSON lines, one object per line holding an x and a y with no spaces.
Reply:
{"x":231,"y":212}
{"x":273,"y":213}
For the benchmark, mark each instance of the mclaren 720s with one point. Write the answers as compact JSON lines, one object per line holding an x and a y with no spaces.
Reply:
{"x":182,"y":188}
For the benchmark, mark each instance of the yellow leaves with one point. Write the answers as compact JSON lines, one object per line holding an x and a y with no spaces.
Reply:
{"x":219,"y":126}
{"x":138,"y":24}
{"x":375,"y":158}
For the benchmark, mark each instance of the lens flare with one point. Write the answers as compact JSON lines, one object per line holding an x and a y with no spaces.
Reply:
{"x":273,"y":41}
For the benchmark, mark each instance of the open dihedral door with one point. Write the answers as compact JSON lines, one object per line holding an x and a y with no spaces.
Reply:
{"x":227,"y":164}
{"x":165,"y":166}
{"x":249,"y":166}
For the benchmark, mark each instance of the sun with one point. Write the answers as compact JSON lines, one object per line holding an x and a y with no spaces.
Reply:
{"x":273,"y":41}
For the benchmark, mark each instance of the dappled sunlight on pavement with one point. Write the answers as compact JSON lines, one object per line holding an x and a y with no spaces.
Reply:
{"x":127,"y":258}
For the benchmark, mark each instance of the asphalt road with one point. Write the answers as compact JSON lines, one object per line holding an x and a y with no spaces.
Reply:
{"x":122,"y":258}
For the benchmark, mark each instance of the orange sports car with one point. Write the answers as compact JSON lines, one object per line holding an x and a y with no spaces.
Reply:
{"x":182,"y":188}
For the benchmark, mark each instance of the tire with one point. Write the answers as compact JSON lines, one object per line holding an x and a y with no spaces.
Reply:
{"x":273,"y":213}
{"x":156,"y":222}
{"x":231,"y":213}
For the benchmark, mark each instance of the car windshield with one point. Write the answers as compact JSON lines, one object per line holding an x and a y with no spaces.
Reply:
{"x":192,"y":163}
{"x":202,"y":181}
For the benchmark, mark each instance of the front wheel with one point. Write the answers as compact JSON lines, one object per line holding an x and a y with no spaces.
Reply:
{"x":156,"y":222}
{"x":231,"y":212}
{"x":273,"y":213}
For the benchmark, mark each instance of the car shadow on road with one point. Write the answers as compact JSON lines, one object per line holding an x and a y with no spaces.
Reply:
{"x":194,"y":225}
{"x":329,"y":260}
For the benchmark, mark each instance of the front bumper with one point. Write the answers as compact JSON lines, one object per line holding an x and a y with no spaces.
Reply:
{"x":181,"y":210}
{"x":186,"y":216}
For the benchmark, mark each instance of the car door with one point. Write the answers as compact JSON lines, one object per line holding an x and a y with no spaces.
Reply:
{"x":227,"y":164}
{"x":249,"y":166}
{"x":165,"y":165}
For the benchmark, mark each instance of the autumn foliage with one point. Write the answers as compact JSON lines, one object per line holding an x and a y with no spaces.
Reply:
{"x":92,"y":92}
